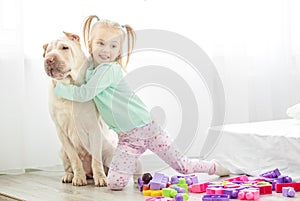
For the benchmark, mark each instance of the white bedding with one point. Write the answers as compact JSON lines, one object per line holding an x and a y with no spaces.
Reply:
{"x":254,"y":148}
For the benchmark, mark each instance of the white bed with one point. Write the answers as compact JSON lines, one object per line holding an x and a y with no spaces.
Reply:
{"x":253,"y":148}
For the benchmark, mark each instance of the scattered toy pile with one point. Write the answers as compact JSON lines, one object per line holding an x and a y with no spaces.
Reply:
{"x":162,"y":188}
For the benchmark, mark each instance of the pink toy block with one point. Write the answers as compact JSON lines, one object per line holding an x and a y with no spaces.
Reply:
{"x":158,"y":181}
{"x":249,"y":194}
{"x":159,"y":198}
{"x":278,"y":187}
{"x":288,"y":192}
{"x":238,"y":178}
{"x":198,"y":188}
{"x":215,"y":190}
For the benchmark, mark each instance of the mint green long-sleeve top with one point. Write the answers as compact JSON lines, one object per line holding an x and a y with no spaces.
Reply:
{"x":121,"y":109}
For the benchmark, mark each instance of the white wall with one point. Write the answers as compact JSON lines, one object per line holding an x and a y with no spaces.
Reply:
{"x":254,"y":45}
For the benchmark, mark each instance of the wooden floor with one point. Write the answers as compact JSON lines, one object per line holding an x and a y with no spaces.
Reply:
{"x":47,"y":186}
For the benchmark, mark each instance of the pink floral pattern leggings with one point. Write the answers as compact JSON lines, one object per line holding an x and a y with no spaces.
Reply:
{"x":134,"y":143}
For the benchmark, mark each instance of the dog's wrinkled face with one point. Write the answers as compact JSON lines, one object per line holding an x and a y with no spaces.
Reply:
{"x":59,"y":56}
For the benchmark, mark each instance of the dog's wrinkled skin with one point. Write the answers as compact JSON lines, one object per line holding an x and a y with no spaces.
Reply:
{"x":77,"y":123}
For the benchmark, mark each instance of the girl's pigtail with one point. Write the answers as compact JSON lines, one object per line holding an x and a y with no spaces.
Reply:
{"x":86,"y":29}
{"x":130,"y":42}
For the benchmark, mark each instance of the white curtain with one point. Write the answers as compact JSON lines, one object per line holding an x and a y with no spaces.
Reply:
{"x":254,"y":44}
{"x":12,"y":87}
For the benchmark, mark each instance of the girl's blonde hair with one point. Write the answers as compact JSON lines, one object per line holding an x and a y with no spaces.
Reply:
{"x":113,"y":25}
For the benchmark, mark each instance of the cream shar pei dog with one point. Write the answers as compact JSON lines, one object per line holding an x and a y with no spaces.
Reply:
{"x":87,"y":144}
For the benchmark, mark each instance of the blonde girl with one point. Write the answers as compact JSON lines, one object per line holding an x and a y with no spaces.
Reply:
{"x":121,"y":109}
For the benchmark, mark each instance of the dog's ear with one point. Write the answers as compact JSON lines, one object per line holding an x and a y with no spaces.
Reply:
{"x":45,"y":48}
{"x":72,"y":36}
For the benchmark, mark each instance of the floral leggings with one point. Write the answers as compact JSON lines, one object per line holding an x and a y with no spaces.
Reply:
{"x":134,"y":143}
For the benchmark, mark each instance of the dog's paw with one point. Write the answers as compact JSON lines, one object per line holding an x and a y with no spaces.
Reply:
{"x":67,"y":178}
{"x":100,"y":181}
{"x":79,"y":180}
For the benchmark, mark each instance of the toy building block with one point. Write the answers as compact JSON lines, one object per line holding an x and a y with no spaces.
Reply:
{"x":169,"y":192}
{"x":174,"y":180}
{"x":146,"y":187}
{"x":194,"y":179}
{"x":249,"y":194}
{"x":152,"y":193}
{"x":284,"y":179}
{"x":159,"y":198}
{"x":288,"y":192}
{"x":215,"y":190}
{"x":264,"y":188}
{"x":179,"y":189}
{"x":238,"y":178}
{"x":271,"y":174}
{"x":233,"y":192}
{"x":208,"y":197}
{"x":182,"y":183}
{"x":198,"y":188}
{"x":181,"y":197}
{"x":296,"y":186}
{"x":140,"y":184}
{"x":158,"y":181}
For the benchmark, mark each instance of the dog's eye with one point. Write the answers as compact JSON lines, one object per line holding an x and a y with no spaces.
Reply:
{"x":65,"y":47}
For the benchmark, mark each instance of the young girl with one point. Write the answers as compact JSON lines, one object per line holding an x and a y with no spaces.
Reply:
{"x":122,"y":109}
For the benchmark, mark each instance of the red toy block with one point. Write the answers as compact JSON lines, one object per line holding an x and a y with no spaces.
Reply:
{"x":198,"y":188}
{"x":264,"y":189}
{"x":278,"y":187}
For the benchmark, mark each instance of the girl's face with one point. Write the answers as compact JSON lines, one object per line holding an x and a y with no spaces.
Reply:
{"x":105,"y":44}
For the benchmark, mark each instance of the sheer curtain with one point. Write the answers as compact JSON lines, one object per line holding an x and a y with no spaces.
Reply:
{"x":12,"y":87}
{"x":254,"y":44}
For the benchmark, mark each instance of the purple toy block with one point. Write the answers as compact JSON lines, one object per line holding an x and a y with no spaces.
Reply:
{"x":271,"y":174}
{"x":188,"y":181}
{"x":179,"y":197}
{"x":288,"y":192}
{"x":178,"y":189}
{"x":215,"y":198}
{"x":158,"y":181}
{"x":233,"y":192}
{"x":284,"y":179}
{"x":195,"y":179}
{"x":174,"y":180}
{"x":140,"y":184}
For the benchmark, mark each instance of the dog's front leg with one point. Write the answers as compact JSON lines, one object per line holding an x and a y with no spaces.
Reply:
{"x":98,"y":173}
{"x":96,"y":139}
{"x":79,"y":178}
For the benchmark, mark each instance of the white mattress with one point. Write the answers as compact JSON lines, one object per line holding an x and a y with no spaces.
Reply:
{"x":254,"y":148}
